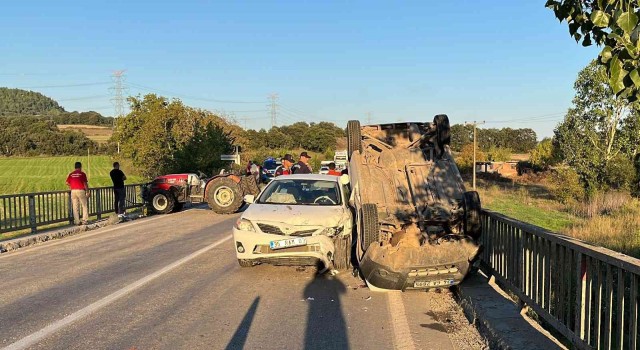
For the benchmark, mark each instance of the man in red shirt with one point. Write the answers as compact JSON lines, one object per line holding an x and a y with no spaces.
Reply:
{"x":333,"y":171}
{"x":79,"y":186}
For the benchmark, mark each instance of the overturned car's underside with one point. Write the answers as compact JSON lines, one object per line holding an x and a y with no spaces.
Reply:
{"x":417,"y":226}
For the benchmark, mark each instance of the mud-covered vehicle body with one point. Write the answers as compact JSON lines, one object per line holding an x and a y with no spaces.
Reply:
{"x":224,"y":193}
{"x":417,"y":226}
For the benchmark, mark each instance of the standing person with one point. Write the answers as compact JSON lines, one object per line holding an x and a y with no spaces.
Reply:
{"x":285,"y":168}
{"x":333,"y":171}
{"x":302,"y":167}
{"x":79,"y":186}
{"x":119,"y":191}
{"x":254,"y":170}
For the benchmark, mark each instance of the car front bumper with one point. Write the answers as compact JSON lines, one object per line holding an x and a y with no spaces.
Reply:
{"x":256,"y":247}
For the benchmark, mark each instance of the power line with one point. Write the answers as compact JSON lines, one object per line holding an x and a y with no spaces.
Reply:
{"x":63,"y":86}
{"x":147,"y":88}
{"x":82,"y":98}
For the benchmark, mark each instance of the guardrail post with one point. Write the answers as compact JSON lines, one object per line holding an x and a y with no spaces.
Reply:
{"x":98,"y":204}
{"x":581,"y":292}
{"x":32,"y":213}
{"x":70,"y":208}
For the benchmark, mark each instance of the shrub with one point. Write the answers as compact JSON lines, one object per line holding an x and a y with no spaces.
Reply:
{"x":566,"y":185}
{"x":620,"y":173}
{"x":498,"y":154}
{"x":464,"y":160}
{"x":545,"y":154}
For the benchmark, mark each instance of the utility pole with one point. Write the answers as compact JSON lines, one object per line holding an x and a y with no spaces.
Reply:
{"x":368,"y":118}
{"x":475,"y":127}
{"x":274,"y":109}
{"x":118,"y":91}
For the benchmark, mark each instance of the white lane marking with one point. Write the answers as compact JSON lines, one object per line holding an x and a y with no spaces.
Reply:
{"x":54,"y":327}
{"x":78,"y":236}
{"x":401,"y":333}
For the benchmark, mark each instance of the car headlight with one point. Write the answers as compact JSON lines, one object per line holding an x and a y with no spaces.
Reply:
{"x":244,"y":225}
{"x":332,"y":231}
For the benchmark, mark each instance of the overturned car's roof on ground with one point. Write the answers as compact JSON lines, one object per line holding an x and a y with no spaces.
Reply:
{"x":308,"y":177}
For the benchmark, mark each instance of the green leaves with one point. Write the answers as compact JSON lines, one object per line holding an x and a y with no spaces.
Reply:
{"x":616,"y":75}
{"x":627,"y":22}
{"x":600,"y":18}
{"x":605,"y":54}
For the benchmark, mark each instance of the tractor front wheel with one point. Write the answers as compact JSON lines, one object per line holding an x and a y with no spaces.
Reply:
{"x":224,"y":196}
{"x":163,"y":202}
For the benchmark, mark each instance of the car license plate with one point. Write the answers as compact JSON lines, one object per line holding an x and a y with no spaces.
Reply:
{"x":440,"y":283}
{"x":286,"y":243}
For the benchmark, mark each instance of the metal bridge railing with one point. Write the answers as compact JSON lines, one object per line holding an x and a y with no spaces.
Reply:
{"x":33,"y":210}
{"x":589,"y":294}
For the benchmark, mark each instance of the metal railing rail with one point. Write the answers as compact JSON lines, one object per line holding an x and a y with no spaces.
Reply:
{"x":33,"y":210}
{"x":588,"y":294}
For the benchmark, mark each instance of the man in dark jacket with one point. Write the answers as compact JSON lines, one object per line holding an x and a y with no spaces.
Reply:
{"x":302,"y":167}
{"x":285,"y":168}
{"x":119,"y":191}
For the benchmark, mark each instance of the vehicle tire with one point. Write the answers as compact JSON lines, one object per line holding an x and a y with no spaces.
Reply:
{"x":443,"y":128}
{"x":472,"y":226}
{"x":178,"y":207}
{"x":370,"y":227}
{"x":245,"y":263}
{"x":342,"y":253}
{"x":354,"y":137}
{"x":163,"y":202}
{"x":224,"y":196}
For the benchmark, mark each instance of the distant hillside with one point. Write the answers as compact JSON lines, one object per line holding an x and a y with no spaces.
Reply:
{"x":17,"y":102}
{"x":23,"y":103}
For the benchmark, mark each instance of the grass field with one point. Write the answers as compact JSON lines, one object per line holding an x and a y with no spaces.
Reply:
{"x":36,"y":174}
{"x":99,"y":134}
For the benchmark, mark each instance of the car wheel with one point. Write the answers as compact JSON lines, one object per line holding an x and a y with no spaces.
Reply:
{"x":163,"y":202}
{"x":342,"y":253}
{"x":472,"y":208}
{"x":370,"y":226}
{"x":444,"y":129}
{"x":224,"y":196}
{"x":245,"y":263}
{"x":354,"y":137}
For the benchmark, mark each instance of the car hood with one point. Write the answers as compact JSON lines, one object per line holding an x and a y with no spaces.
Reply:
{"x":298,"y":215}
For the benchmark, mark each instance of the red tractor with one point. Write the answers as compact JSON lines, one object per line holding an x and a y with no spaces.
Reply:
{"x":224,"y":193}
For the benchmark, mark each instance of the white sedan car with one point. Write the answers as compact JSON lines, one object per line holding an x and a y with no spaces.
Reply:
{"x":299,"y":220}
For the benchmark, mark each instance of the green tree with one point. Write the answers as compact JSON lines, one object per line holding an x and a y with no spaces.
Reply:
{"x":545,"y":154}
{"x":162,"y":136}
{"x":589,"y":138}
{"x":612,"y":24}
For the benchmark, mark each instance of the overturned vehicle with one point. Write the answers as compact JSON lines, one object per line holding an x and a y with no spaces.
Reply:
{"x":417,"y":226}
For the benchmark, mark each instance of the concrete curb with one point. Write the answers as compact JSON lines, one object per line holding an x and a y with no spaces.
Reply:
{"x":26,"y":241}
{"x":499,"y":319}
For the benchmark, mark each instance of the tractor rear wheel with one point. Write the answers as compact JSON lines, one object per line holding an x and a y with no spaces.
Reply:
{"x":472,"y":208}
{"x":163,"y":202}
{"x":224,"y":195}
{"x":370,"y":227}
{"x":354,"y":137}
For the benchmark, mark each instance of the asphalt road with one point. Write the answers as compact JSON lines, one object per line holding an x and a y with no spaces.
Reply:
{"x":172,"y":282}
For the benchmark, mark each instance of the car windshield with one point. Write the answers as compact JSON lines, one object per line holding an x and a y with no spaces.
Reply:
{"x":301,"y":192}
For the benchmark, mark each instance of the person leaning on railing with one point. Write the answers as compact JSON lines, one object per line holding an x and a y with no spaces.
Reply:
{"x":79,"y":186}
{"x":119,"y":191}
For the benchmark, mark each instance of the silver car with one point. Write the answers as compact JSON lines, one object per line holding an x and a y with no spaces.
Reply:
{"x":299,"y":220}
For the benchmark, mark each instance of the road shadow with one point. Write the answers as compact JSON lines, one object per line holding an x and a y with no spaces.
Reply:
{"x":326,"y":326}
{"x":240,"y":336}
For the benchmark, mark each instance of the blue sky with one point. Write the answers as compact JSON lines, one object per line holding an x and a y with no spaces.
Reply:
{"x":507,"y":62}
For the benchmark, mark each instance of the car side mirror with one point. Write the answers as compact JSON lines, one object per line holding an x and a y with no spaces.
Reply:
{"x":344,"y":179}
{"x":249,"y":198}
